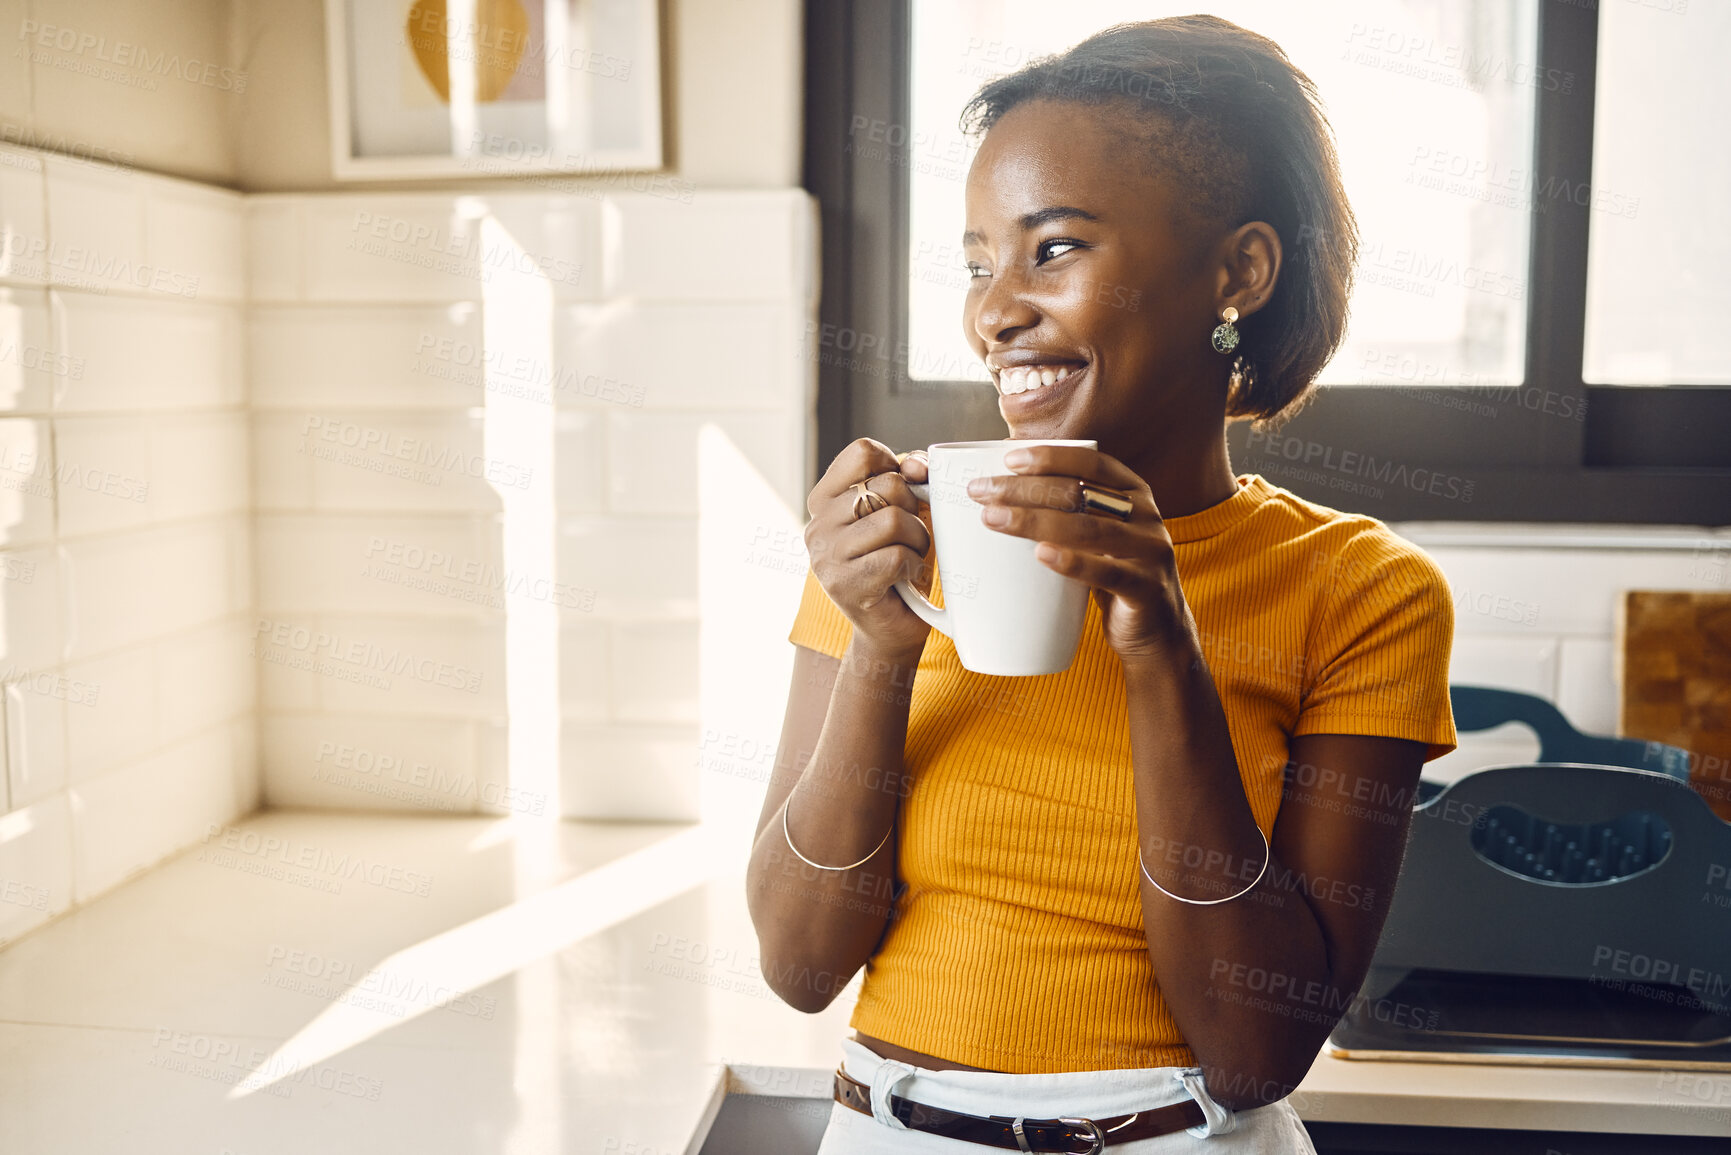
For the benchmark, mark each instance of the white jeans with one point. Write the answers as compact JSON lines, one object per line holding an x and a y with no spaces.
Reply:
{"x":1270,"y":1130}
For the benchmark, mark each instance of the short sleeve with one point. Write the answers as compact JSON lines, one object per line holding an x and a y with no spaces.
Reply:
{"x":1378,"y":662}
{"x":820,"y":625}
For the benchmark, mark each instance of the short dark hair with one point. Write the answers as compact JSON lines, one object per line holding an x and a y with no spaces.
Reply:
{"x":1241,"y":134}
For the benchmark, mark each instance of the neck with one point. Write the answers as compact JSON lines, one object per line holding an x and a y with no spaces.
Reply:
{"x":1187,"y":475}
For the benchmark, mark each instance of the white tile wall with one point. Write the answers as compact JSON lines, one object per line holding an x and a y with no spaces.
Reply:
{"x":1514,"y":663}
{"x":342,"y":762}
{"x":194,"y":234}
{"x":118,"y":473}
{"x":125,"y":500}
{"x":96,"y":218}
{"x":204,"y":677}
{"x":638,"y":567}
{"x":26,"y":482}
{"x":580,"y":455}
{"x":670,"y":250}
{"x":585,"y":671}
{"x":136,"y":586}
{"x":120,"y":719}
{"x":684,"y":355}
{"x":29,"y":366}
{"x":32,"y":626}
{"x":1535,"y":610}
{"x":434,"y":565}
{"x":303,"y":357}
{"x":23,"y":218}
{"x":36,"y":710}
{"x":368,"y":323}
{"x":391,"y":249}
{"x":35,"y":865}
{"x":126,"y":820}
{"x":653,"y":467}
{"x":1587,"y":688}
{"x":654,"y":671}
{"x":148,"y":354}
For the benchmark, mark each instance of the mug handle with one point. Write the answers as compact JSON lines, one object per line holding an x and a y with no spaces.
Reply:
{"x":937,"y":618}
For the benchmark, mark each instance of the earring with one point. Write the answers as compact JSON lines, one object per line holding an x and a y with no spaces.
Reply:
{"x":1225,"y":336}
{"x":1243,"y":376}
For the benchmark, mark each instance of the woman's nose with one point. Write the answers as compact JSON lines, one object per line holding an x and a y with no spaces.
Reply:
{"x":1004,"y":309}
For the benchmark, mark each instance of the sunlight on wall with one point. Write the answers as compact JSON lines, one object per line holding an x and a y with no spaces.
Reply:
{"x":23,"y":467}
{"x":752,"y":563}
{"x":517,"y":329}
{"x":15,"y":825}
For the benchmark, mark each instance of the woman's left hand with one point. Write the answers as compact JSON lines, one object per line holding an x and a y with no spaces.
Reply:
{"x":1128,"y":563}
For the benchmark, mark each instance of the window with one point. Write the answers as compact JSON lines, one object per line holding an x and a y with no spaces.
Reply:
{"x":1431,"y":104}
{"x":1654,"y":311}
{"x":1482,"y":179}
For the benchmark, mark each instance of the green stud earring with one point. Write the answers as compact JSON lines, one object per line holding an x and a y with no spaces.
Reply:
{"x":1225,"y":336}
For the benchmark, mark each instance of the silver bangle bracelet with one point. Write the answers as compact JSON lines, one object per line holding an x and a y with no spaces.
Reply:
{"x":784,"y":808}
{"x":1267,"y":853}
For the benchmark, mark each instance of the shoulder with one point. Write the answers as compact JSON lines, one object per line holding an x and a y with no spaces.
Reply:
{"x":1352,"y":556}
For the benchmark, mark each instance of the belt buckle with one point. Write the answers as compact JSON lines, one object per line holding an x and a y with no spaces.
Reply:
{"x":1096,"y":1137}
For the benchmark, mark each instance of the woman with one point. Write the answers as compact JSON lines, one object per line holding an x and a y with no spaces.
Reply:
{"x":1097,"y":905}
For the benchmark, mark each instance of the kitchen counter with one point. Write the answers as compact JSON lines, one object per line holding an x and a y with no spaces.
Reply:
{"x":1459,"y":1095}
{"x":348,"y":983}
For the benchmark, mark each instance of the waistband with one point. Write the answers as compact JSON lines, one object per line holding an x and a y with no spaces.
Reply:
{"x":1094,"y":1094}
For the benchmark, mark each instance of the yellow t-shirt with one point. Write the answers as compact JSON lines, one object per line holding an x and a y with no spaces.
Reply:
{"x":1018,"y":942}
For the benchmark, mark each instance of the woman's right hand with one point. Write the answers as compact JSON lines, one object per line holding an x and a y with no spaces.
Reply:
{"x":858,"y":561}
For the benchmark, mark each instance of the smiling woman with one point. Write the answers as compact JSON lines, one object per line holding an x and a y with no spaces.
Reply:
{"x":1098,"y":917}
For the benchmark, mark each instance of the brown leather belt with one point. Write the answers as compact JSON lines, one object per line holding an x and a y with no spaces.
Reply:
{"x":1015,"y":1134}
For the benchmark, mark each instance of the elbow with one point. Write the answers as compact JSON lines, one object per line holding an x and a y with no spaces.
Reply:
{"x":803,"y":1002}
{"x":793,"y":974}
{"x":809,"y":990}
{"x":1246,"y":1082}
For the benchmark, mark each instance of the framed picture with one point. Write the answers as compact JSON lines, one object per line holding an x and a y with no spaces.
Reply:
{"x":454,"y":88}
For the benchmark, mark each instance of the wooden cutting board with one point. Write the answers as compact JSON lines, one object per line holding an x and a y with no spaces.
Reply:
{"x":1676,"y":651}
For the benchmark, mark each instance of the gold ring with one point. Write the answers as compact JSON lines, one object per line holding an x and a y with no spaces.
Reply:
{"x":1102,"y":499}
{"x":865,"y":502}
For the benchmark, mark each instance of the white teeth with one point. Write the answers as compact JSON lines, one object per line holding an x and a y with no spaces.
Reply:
{"x":1021,"y":378}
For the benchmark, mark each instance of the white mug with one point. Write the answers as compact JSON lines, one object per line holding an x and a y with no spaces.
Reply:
{"x":1006,"y":611}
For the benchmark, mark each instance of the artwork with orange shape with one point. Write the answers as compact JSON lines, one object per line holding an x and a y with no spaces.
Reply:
{"x":505,"y":44}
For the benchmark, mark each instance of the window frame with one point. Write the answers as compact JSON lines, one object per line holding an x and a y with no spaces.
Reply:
{"x":1558,"y":450}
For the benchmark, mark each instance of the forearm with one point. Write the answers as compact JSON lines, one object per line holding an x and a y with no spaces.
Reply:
{"x":1226,"y":971}
{"x":817,"y":927}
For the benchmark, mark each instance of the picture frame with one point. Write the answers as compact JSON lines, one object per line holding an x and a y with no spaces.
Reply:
{"x":440,"y":89}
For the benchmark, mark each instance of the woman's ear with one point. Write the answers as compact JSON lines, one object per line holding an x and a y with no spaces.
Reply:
{"x":1249,"y":267}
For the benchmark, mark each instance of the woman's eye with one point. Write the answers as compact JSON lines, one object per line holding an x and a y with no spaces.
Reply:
{"x":975,"y":269}
{"x":1055,"y":248}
